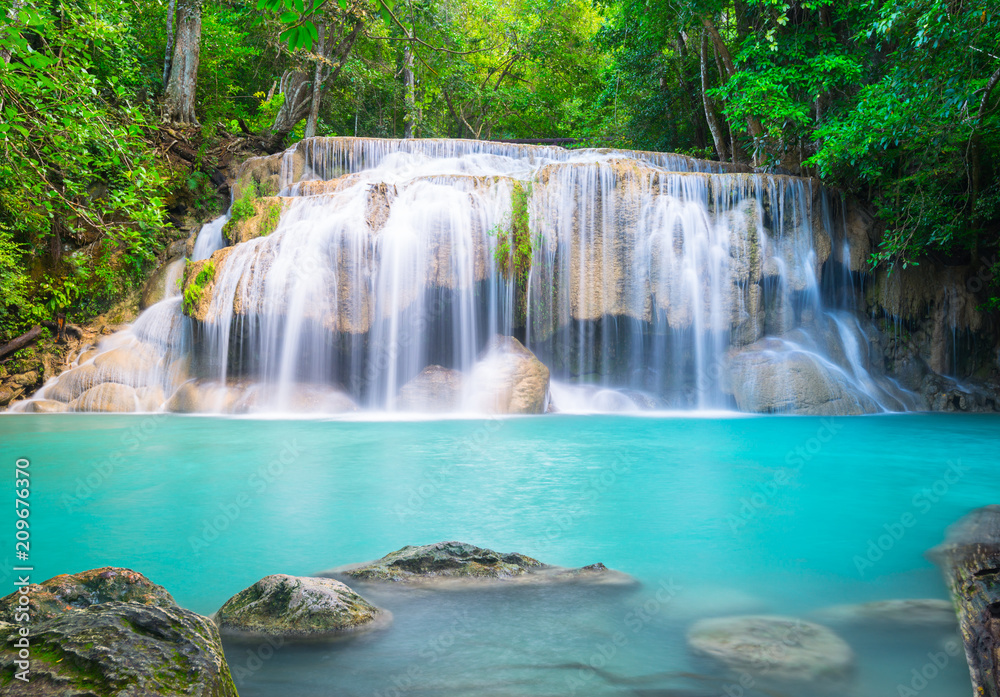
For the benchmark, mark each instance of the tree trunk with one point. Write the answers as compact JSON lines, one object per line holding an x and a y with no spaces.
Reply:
{"x":410,"y":101}
{"x":970,"y":560}
{"x":722,"y":51}
{"x":180,"y":98}
{"x":20,"y":342}
{"x":317,"y":85}
{"x":713,"y":123}
{"x":297,"y":88}
{"x":167,"y":55}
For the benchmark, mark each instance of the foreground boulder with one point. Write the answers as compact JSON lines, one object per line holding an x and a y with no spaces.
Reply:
{"x":774,"y":649}
{"x":970,"y":560}
{"x":445,"y":562}
{"x":296,"y":607}
{"x":929,"y":613}
{"x":509,"y":379}
{"x":120,"y":650}
{"x":72,"y":592}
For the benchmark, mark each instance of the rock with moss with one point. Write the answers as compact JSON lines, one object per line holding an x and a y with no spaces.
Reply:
{"x":253,"y":218}
{"x":447,"y":563}
{"x":117,"y":649}
{"x":970,"y":560}
{"x":297,"y":607}
{"x":775,"y":649}
{"x":71,"y":592}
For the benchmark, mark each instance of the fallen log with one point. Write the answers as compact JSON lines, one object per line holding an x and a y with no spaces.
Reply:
{"x":970,"y":560}
{"x":20,"y":342}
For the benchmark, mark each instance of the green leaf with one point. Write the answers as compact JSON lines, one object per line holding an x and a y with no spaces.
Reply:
{"x":289,"y":17}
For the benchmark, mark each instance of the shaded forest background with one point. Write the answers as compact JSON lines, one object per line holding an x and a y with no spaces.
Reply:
{"x":119,"y":117}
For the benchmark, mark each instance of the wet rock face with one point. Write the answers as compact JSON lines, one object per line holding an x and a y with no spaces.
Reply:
{"x":509,"y":379}
{"x":774,"y":649}
{"x":120,"y":649}
{"x":237,"y":397}
{"x":970,"y":560}
{"x":435,"y":389}
{"x":72,"y":592}
{"x":296,"y":607}
{"x":768,"y":378}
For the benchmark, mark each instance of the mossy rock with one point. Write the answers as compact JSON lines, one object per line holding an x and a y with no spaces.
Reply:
{"x":456,"y":563}
{"x":297,"y":607}
{"x":260,"y":219}
{"x":120,"y":650}
{"x":72,"y":592}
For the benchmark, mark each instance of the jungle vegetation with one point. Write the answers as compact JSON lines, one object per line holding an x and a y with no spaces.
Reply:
{"x":117,"y":115}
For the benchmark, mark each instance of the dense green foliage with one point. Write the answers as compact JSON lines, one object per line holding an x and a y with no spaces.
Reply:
{"x":893,"y":102}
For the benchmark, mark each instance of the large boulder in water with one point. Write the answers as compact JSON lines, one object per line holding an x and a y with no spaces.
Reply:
{"x":970,"y":560}
{"x":455,"y":562}
{"x":772,"y":376}
{"x":72,"y":383}
{"x":435,"y":389}
{"x":508,"y":379}
{"x":107,"y":397}
{"x":73,"y":592}
{"x":776,"y":649}
{"x":117,"y":649}
{"x":44,"y":406}
{"x":296,"y":607}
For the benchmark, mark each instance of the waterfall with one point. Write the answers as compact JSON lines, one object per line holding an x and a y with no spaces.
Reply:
{"x":378,"y":269}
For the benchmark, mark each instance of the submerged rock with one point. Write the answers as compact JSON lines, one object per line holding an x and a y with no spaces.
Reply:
{"x":779,"y":649}
{"x":913,"y":613}
{"x":296,"y":607}
{"x":445,"y":562}
{"x":771,"y":376}
{"x":970,"y":560}
{"x":118,"y":649}
{"x":509,"y":379}
{"x":73,"y":592}
{"x":435,"y":389}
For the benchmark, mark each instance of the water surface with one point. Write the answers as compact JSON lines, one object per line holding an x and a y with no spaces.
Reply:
{"x":714,"y":516}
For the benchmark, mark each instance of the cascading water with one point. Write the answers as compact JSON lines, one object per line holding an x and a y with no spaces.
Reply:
{"x":387,"y":269}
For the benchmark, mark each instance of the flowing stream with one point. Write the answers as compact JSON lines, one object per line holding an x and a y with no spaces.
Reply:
{"x":641,"y":280}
